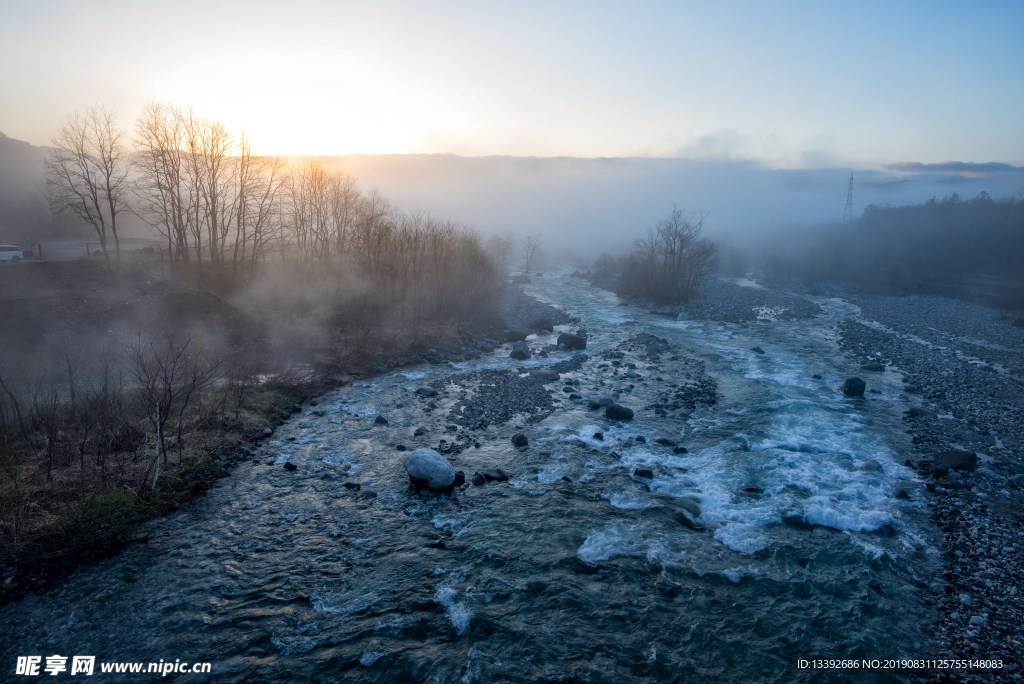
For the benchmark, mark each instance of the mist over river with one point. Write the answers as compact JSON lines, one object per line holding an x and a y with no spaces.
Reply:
{"x":762,"y":544}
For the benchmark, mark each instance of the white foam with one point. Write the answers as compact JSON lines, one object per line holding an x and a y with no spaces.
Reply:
{"x":742,"y":537}
{"x":458,"y":614}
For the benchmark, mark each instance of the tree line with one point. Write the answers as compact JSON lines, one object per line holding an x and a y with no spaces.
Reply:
{"x":925,"y":247}
{"x":222,"y":210}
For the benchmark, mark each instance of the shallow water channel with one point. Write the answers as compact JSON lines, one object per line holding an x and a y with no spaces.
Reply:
{"x":575,"y":569}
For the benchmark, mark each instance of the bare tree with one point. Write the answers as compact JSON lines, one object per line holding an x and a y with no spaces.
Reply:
{"x":168,"y":374}
{"x":532,"y":250}
{"x":87,"y":172}
{"x":672,"y":260}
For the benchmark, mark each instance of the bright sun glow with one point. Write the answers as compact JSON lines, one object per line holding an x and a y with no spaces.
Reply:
{"x":315,"y":102}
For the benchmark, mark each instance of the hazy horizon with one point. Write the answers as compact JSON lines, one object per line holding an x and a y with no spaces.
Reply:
{"x":795,"y":85}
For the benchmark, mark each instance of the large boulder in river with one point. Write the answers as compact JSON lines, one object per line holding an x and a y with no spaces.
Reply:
{"x":428,"y":468}
{"x":964,"y":461}
{"x":516,"y":335}
{"x":572,"y":341}
{"x":520,"y":351}
{"x":616,"y":412}
{"x":853,"y":387}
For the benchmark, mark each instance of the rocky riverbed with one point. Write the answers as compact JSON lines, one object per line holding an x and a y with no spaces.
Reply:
{"x":734,"y":514}
{"x":962,"y":367}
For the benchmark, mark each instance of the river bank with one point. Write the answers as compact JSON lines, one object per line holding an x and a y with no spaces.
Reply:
{"x":962,"y":367}
{"x":89,"y":500}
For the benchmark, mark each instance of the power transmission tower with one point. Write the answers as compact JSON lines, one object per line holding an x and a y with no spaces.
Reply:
{"x":848,"y":211}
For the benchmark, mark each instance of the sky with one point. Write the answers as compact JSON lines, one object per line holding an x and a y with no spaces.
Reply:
{"x":787,"y":85}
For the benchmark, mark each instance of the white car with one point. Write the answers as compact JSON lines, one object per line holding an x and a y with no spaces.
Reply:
{"x":10,"y":253}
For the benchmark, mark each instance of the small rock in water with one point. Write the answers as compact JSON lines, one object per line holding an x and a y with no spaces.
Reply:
{"x":420,"y":431}
{"x":873,"y":367}
{"x":290,"y":467}
{"x":616,"y":412}
{"x":460,"y":478}
{"x":599,"y":436}
{"x":853,"y":387}
{"x":479,"y":479}
{"x":572,"y":341}
{"x":816,"y":376}
{"x":380,"y":420}
{"x":354,"y":486}
{"x":400,"y":447}
{"x":427,"y":392}
{"x":664,"y":441}
{"x":902,"y":494}
{"x":429,"y":468}
{"x":646,"y":473}
{"x":871,"y":466}
{"x":495,"y":475}
{"x":520,"y":440}
{"x":757,"y":350}
{"x":678,"y":450}
{"x":641,"y":439}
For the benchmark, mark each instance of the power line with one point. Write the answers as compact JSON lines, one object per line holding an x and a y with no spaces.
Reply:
{"x":848,"y":211}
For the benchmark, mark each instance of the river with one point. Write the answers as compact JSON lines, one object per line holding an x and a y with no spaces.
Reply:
{"x":575,"y":569}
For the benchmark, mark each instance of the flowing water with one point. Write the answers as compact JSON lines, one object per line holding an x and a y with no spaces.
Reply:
{"x":574,"y":570}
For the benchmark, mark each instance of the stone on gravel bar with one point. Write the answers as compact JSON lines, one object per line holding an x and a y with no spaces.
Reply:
{"x":543,"y":323}
{"x":479,"y":479}
{"x":429,"y":468}
{"x":420,"y":431}
{"x":572,"y":341}
{"x":918,"y":412}
{"x":520,"y":440}
{"x":516,"y":336}
{"x":874,"y":367}
{"x":380,"y":420}
{"x":545,"y":375}
{"x":427,"y":392}
{"x":853,"y":387}
{"x":616,"y":412}
{"x":954,"y":460}
{"x":520,"y":351}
